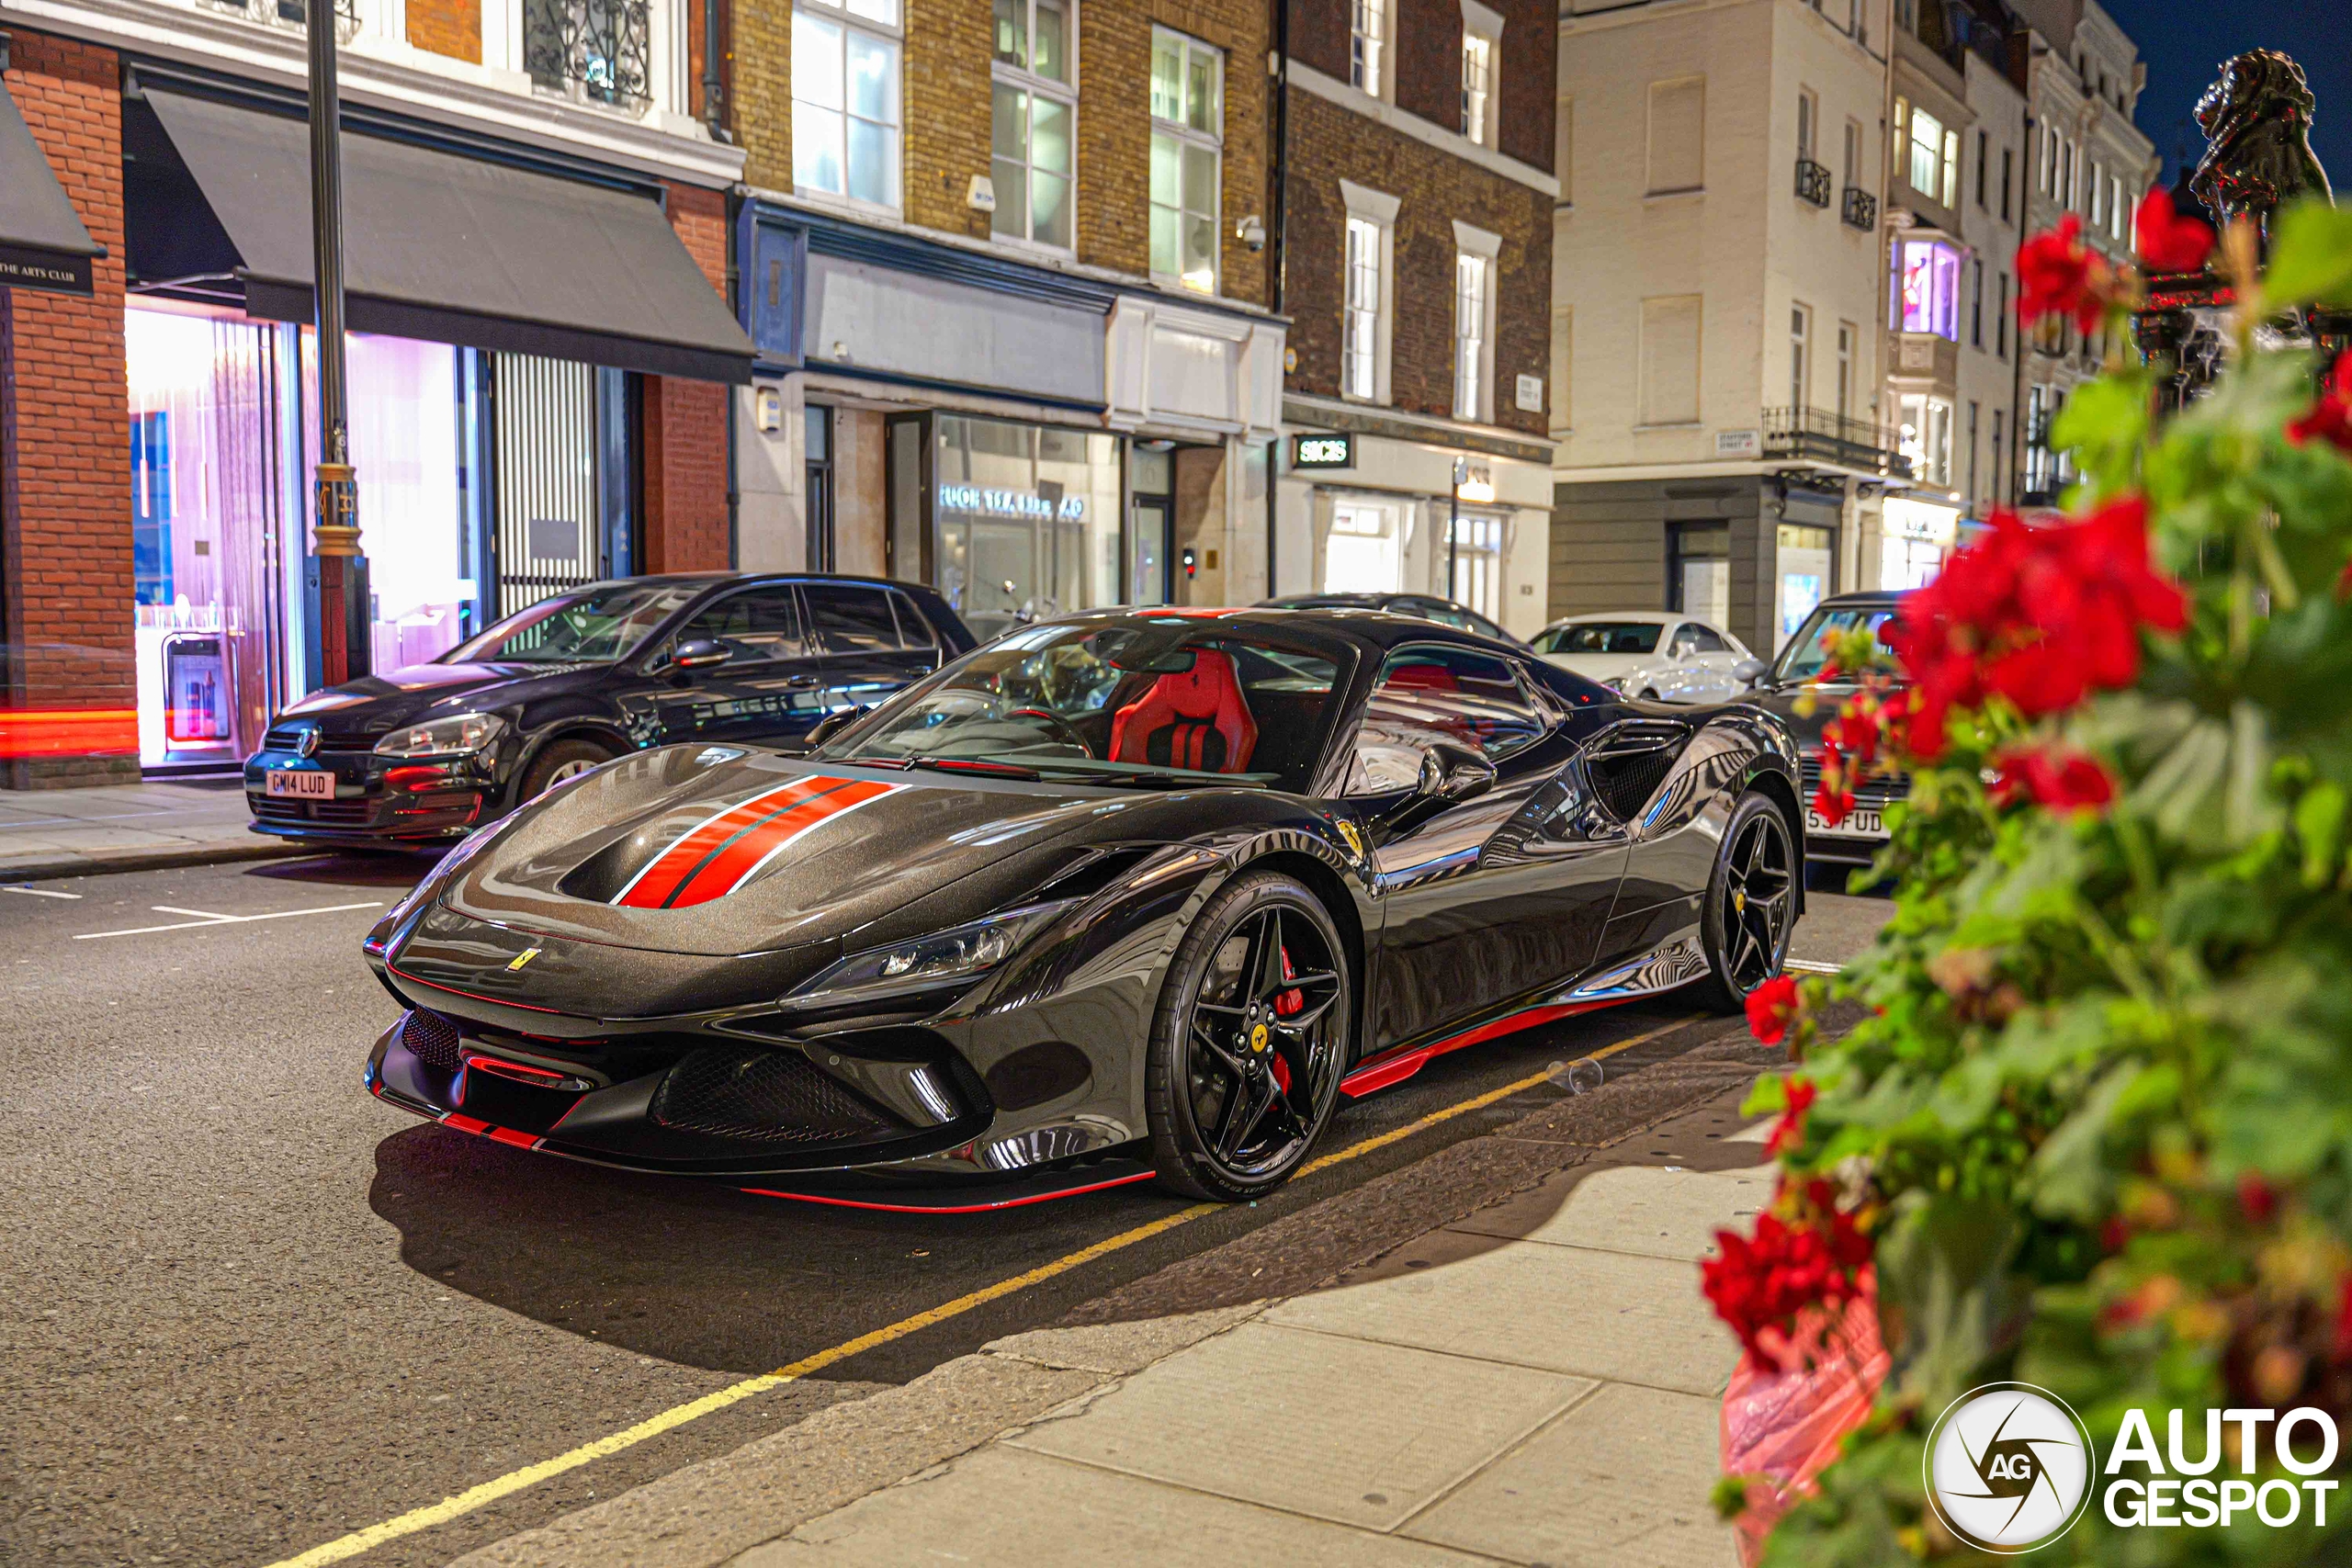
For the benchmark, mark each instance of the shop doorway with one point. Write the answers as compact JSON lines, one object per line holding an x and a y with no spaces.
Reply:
{"x":563,"y":484}
{"x":817,"y":476}
{"x":1151,"y":524}
{"x":1698,"y":576}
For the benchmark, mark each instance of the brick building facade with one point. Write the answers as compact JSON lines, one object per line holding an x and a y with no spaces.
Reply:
{"x":152,"y":598}
{"x":1418,"y":193}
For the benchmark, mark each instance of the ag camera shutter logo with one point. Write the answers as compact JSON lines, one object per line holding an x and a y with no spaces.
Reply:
{"x":2009,"y":1468}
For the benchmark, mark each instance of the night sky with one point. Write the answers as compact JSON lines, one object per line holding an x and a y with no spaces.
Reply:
{"x":2184,"y":42}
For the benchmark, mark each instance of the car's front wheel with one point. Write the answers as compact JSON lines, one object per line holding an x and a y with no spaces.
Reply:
{"x":560,"y":761}
{"x":1249,"y":1041}
{"x":1751,"y":903}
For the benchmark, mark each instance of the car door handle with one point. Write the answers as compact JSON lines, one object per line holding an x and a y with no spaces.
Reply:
{"x":802,"y":682}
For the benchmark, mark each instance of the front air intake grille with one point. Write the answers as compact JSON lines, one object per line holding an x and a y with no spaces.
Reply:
{"x":432,"y":1039}
{"x":769,"y":1097}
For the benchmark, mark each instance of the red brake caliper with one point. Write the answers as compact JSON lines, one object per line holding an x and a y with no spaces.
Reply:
{"x":1287,"y":1004}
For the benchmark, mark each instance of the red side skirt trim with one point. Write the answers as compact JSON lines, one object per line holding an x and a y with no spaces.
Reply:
{"x":1395,"y":1065}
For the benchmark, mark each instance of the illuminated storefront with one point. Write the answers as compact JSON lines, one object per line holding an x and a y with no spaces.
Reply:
{"x":1918,"y":537}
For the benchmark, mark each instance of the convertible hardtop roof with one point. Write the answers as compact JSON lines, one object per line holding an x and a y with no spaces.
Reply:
{"x":1380,"y":631}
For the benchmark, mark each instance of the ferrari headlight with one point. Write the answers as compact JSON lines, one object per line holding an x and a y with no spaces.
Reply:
{"x":955,"y":957}
{"x":458,"y":736}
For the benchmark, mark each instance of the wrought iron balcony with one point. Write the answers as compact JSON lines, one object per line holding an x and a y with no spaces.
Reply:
{"x":1813,"y":182}
{"x":1860,"y":210}
{"x":1820,"y":436}
{"x":597,"y":51}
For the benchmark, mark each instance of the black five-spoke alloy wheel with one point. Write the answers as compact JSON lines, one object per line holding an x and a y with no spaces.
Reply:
{"x":1751,"y":902}
{"x":1249,"y":1040}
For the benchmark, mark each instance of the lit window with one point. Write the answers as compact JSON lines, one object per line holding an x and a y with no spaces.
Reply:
{"x":1928,"y":140}
{"x":1470,"y":365}
{"x":845,"y":100}
{"x":1036,"y":115}
{"x":1927,"y":298}
{"x":1924,"y":437}
{"x":1187,"y":155}
{"x":1360,"y":341}
{"x":1478,"y":68}
{"x":1367,"y":43}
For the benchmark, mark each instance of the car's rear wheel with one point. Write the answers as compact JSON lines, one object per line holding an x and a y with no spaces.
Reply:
{"x":1751,"y":903}
{"x":1249,"y":1041}
{"x":557,"y":762}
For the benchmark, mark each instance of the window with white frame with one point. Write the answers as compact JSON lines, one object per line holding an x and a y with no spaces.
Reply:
{"x":1482,"y":58}
{"x":1036,"y":115}
{"x":1847,"y":336}
{"x":1368,"y":45}
{"x":1367,"y":293}
{"x":1800,"y":356}
{"x":1934,"y":169}
{"x":1187,"y":158}
{"x":845,"y":122}
{"x":1473,"y":321}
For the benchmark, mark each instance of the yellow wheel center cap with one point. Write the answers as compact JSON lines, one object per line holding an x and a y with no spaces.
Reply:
{"x":1739,"y":901}
{"x":1257,"y":1038}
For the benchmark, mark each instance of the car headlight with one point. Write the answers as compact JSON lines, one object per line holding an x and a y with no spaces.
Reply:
{"x":1615,"y":683}
{"x":952,"y":957}
{"x":461,"y":735}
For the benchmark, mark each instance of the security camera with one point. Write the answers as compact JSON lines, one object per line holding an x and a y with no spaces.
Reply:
{"x":1251,"y":232}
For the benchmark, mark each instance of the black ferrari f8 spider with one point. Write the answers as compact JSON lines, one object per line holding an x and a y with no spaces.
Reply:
{"x":1121,"y":895}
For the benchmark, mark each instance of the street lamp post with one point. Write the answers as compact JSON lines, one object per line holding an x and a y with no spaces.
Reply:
{"x":1454,"y":528}
{"x":343,"y":571}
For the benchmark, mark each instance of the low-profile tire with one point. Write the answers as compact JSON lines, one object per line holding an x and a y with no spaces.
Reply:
{"x":1752,"y":904}
{"x":1249,"y":1041}
{"x":1649,"y":694}
{"x":557,"y":762}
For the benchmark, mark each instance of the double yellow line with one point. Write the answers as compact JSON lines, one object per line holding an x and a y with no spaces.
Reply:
{"x":677,"y":1415}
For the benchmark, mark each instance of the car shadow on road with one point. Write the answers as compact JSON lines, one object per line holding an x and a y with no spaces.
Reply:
{"x":391,"y":869}
{"x":695,"y":1272}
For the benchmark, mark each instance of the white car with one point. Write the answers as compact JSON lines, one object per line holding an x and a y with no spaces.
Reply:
{"x":1659,"y":657}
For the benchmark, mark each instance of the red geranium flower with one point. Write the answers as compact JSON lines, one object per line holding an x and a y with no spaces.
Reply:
{"x":1759,"y":1284}
{"x":1789,"y":1130}
{"x":2257,"y":1198}
{"x":2330,"y":419}
{"x":1771,"y":1008}
{"x":2166,"y":240}
{"x":2066,"y":781}
{"x":2059,"y":276}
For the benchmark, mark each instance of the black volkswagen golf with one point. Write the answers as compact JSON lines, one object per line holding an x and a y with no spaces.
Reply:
{"x":418,"y":757}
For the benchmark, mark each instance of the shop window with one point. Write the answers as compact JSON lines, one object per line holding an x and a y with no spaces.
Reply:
{"x":1362,"y":554}
{"x":1804,"y":559}
{"x":1035,"y":121}
{"x":1187,"y":158}
{"x":1927,"y":298}
{"x":845,"y":120}
{"x":1368,"y":45}
{"x":1025,"y":519}
{"x":1697,"y":578}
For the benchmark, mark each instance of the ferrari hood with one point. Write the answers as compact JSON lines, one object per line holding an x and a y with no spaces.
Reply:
{"x":722,"y":851}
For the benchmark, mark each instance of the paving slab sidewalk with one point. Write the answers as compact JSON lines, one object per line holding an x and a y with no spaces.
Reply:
{"x":1535,"y":1383}
{"x":159,"y":823}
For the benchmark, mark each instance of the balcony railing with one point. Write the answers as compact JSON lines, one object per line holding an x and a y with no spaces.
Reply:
{"x":597,"y":51}
{"x":1860,"y":210}
{"x":1813,"y":182}
{"x":1820,"y":436}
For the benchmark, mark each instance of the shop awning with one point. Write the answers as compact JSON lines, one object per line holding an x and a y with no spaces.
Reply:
{"x":42,"y":242}
{"x":458,"y":250}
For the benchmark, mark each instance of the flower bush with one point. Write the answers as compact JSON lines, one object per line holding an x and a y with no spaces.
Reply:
{"x":2095,"y":1130}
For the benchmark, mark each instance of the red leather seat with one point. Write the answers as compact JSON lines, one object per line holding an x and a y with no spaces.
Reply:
{"x":1196,"y":719}
{"x":1422,"y":678}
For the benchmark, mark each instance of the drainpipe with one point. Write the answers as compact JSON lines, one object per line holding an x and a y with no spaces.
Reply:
{"x":713,"y":89}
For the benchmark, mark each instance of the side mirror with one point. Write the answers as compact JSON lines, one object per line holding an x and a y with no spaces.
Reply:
{"x":1750,"y":673}
{"x":833,"y":724}
{"x":703,"y":653}
{"x":1452,"y":774}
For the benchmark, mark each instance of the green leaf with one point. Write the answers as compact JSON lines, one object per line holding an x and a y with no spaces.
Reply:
{"x":2104,"y":422}
{"x":2067,"y":1178}
{"x":2319,"y":823}
{"x":2311,"y":257}
{"x":1944,"y":1268}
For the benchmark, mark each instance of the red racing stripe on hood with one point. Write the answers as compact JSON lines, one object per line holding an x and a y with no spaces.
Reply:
{"x":720,"y":854}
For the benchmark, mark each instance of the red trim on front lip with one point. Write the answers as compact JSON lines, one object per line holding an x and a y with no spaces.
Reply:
{"x":1395,"y":1065}
{"x":465,"y":1123}
{"x":948,"y":1208}
{"x":510,"y":1136}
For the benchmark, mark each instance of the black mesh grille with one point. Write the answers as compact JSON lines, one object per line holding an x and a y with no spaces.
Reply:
{"x":771,"y":1096}
{"x":1871,"y":791}
{"x":1625,"y":780}
{"x":331,"y":813}
{"x":432,"y":1039}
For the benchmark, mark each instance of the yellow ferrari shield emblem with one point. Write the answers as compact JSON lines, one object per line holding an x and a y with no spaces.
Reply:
{"x":1739,"y":901}
{"x":523,"y":957}
{"x":1257,"y":1038}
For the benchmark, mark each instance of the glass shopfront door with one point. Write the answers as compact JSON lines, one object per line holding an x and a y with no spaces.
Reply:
{"x":1027,"y":520}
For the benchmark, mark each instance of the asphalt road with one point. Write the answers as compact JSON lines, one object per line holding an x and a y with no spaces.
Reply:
{"x":248,"y":1309}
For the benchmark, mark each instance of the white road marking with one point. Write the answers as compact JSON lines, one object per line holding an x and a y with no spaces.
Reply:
{"x":222,"y":919}
{"x":1808,"y":966}
{"x":35,"y":892}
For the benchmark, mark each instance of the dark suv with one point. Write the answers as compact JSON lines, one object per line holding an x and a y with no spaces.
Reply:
{"x":1796,"y":673}
{"x":422,"y":756}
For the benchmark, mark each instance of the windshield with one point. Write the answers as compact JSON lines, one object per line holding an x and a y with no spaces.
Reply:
{"x":1600,"y":637}
{"x":595,"y":626}
{"x":1801,"y":660}
{"x":1156,"y":706}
